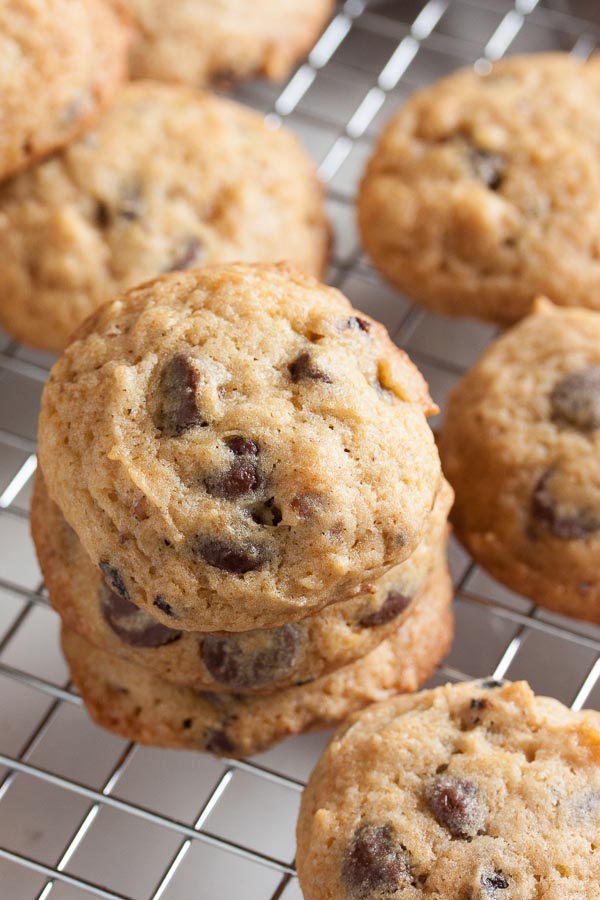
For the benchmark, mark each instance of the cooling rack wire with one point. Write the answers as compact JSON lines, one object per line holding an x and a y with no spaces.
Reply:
{"x":85,"y":814}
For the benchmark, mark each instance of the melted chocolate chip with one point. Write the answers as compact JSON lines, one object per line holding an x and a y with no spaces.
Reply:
{"x":230,"y":558}
{"x":190,"y":257}
{"x":494,"y":882}
{"x":375,"y":863}
{"x":113,"y":578}
{"x":219,"y":743}
{"x":302,"y":368}
{"x":242,"y":446}
{"x":454,"y":803}
{"x":394,"y":604}
{"x":134,"y":626}
{"x":575,"y":399}
{"x":161,"y":603}
{"x":479,"y":703}
{"x":102,"y":214}
{"x":242,"y":478}
{"x":251,"y":659}
{"x":568,"y":527}
{"x":178,"y":407}
{"x":488,"y":167}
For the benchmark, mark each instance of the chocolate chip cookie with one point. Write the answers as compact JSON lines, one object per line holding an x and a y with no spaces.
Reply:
{"x":521,"y":447}
{"x":482,"y":192}
{"x":216,"y":42}
{"x":138,"y":705}
{"x":466,"y":791}
{"x":170,"y":179}
{"x":60,"y":64}
{"x":247,"y":662}
{"x":236,"y":447}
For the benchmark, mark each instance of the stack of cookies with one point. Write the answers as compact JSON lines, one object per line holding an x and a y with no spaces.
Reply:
{"x":240,"y":514}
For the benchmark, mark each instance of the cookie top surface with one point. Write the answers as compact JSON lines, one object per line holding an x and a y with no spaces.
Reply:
{"x":464,"y":791}
{"x":249,"y":662}
{"x":138,"y":705}
{"x":60,"y":63}
{"x":170,"y":178}
{"x":483,"y":189}
{"x":521,"y":446}
{"x":219,"y":41}
{"x":237,"y":446}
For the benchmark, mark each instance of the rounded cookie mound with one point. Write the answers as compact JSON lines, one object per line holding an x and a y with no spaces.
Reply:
{"x":477,"y":791}
{"x":483,"y":190}
{"x":61,"y":62}
{"x":257,"y":661}
{"x":236,"y":447}
{"x":138,"y":705}
{"x":170,"y":179}
{"x":215,"y":42}
{"x":521,"y":447}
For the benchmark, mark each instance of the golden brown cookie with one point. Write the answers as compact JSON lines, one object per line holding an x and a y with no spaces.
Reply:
{"x":482,"y":191}
{"x":139,"y":706}
{"x":170,"y":179}
{"x":477,"y":790}
{"x":521,"y":447}
{"x":216,"y":42}
{"x":60,"y":64}
{"x":236,"y":447}
{"x":246,"y":662}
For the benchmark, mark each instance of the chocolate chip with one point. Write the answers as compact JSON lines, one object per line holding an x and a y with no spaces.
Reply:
{"x":102,"y":214}
{"x":178,"y":407}
{"x":161,"y":603}
{"x":242,"y":478}
{"x":488,"y":167}
{"x":302,"y":368}
{"x":113,"y":579}
{"x":134,"y":626}
{"x":230,"y":558}
{"x":356,"y":323}
{"x":242,"y":446}
{"x":190,"y":256}
{"x":219,"y":743}
{"x":479,"y":703}
{"x":575,"y":399}
{"x":454,"y":803}
{"x":375,"y":863}
{"x":187,"y":723}
{"x":251,"y":659}
{"x":494,"y":882}
{"x":394,"y":604}
{"x":568,"y":527}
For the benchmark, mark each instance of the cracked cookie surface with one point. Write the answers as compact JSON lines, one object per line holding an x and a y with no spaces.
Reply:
{"x":482,"y":190}
{"x":520,"y":446}
{"x":169,"y":179}
{"x":248,"y":662}
{"x":212,"y":485}
{"x":473,"y":791}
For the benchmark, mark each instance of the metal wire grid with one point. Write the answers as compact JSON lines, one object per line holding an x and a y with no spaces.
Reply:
{"x":72,"y":798}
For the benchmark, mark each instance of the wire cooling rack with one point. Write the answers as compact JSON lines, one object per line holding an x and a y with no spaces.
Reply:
{"x":82,"y":812}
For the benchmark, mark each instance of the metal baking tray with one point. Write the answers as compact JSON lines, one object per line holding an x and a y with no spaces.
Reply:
{"x":84,"y":813}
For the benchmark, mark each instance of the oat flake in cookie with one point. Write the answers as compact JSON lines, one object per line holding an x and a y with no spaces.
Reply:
{"x":465,"y":792}
{"x":60,"y":64}
{"x":521,"y":447}
{"x":483,"y":189}
{"x":218,"y":42}
{"x":259,"y":661}
{"x":169,"y":179}
{"x":213,"y":483}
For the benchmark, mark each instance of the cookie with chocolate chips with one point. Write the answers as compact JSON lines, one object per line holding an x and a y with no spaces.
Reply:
{"x":217,"y":492}
{"x":521,"y":447}
{"x":465,"y":792}
{"x":139,"y":705}
{"x":257,"y":661}
{"x":482,"y":191}
{"x":218,"y":42}
{"x":62,"y":62}
{"x":170,"y":179}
